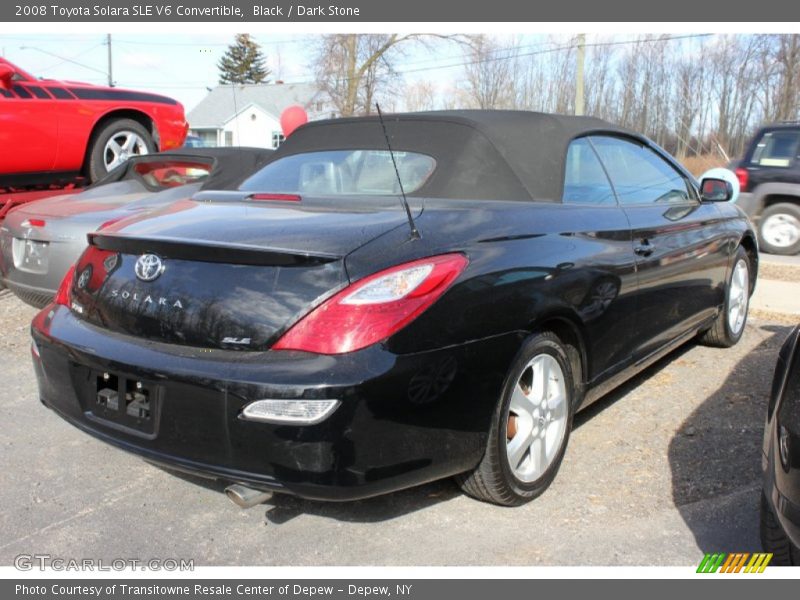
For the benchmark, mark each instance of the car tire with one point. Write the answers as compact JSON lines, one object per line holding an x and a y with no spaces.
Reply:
{"x":132,"y":139}
{"x":727,"y":329}
{"x":774,"y":540}
{"x":548,"y":425}
{"x":779,"y":229}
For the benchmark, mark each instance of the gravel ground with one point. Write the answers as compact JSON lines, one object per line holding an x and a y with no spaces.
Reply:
{"x":657,"y":473}
{"x":779,"y":272}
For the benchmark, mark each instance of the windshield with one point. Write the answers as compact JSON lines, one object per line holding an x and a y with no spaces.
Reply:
{"x":343,"y":172}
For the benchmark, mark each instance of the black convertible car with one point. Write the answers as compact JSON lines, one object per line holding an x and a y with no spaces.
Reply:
{"x":780,"y":502}
{"x":385,"y":304}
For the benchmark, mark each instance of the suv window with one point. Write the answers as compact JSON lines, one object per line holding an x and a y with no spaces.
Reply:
{"x":776,"y":149}
{"x":585,"y":181}
{"x":639,"y":175}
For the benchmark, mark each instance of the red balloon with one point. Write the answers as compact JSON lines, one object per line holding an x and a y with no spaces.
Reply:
{"x":292,"y":118}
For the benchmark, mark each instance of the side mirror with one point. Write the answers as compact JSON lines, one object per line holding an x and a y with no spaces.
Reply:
{"x":712,"y":192}
{"x":715,"y":190}
{"x":7,"y":73}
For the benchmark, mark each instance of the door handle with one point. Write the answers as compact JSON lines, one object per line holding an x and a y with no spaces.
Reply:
{"x":644,"y":249}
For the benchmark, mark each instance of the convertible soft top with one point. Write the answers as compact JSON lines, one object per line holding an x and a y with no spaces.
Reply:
{"x":230,"y":165}
{"x":480,"y":154}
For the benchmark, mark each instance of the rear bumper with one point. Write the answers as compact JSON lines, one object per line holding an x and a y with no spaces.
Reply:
{"x":35,"y":296}
{"x":403,"y":420}
{"x":786,"y":509}
{"x":782,"y":481}
{"x":36,"y":288}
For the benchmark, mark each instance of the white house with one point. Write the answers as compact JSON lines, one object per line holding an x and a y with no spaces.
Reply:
{"x":249,"y":115}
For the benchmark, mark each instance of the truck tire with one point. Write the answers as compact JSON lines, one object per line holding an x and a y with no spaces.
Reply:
{"x":779,"y":229}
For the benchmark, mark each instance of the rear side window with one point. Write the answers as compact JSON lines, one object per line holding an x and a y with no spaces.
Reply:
{"x":343,"y":172}
{"x":639,"y":175}
{"x":585,"y":181}
{"x":776,"y":149}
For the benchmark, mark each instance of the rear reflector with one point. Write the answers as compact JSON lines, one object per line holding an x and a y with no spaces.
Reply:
{"x":34,"y":223}
{"x":373,"y":309}
{"x":65,"y":289}
{"x":290,"y":412}
{"x":276,"y":197}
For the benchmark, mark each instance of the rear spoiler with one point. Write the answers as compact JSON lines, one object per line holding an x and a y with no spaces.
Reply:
{"x":201,"y":251}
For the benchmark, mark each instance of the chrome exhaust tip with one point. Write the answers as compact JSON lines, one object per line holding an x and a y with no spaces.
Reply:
{"x":245,"y":497}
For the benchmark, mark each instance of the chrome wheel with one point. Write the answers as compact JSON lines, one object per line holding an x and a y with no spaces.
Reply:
{"x":121,"y":146}
{"x":738,"y":296}
{"x":537,"y":418}
{"x":781,"y":230}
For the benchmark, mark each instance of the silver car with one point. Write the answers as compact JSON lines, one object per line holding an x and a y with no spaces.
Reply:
{"x":40,"y":240}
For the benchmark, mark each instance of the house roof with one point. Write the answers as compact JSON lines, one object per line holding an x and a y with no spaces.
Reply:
{"x":226,"y":101}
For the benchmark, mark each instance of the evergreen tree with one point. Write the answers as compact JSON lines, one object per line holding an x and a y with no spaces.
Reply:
{"x":243,"y":62}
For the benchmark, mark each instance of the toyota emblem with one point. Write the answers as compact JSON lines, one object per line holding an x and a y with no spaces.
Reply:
{"x":85,"y":277}
{"x":149,"y":267}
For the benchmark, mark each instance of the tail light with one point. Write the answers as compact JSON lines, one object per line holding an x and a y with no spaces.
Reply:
{"x":275,"y":197}
{"x":65,"y":289}
{"x":34,"y":223}
{"x":743,"y":176}
{"x":374,"y":308}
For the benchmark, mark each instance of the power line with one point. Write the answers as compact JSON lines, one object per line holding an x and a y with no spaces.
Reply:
{"x":206,"y":45}
{"x":402,"y":71}
{"x":63,"y":58}
{"x":74,"y":56}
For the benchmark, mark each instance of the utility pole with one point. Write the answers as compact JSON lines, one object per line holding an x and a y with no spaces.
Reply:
{"x":110,"y":73}
{"x":579,"y":95}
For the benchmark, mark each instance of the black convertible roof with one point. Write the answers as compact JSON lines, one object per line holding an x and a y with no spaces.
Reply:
{"x":480,"y":154}
{"x":229,"y":165}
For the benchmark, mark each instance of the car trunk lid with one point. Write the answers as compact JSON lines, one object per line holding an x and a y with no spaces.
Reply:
{"x":221,"y":274}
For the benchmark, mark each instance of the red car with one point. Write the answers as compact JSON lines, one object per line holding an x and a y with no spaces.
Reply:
{"x":55,"y":130}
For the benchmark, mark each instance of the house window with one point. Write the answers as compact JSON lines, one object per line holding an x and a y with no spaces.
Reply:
{"x":277,"y":138}
{"x":229,"y":138}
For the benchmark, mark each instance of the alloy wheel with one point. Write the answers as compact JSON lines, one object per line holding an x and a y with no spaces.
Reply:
{"x":537,"y":419}
{"x":121,"y":146}
{"x":738,"y":296}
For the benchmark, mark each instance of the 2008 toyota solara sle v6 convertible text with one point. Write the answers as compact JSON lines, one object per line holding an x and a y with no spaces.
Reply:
{"x":385,"y":304}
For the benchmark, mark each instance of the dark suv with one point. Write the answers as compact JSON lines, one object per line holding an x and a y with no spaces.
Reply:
{"x":769,"y":175}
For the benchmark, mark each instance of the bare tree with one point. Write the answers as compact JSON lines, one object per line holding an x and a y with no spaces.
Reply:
{"x":420,"y":95}
{"x":488,"y":76}
{"x":355,"y":69}
{"x":704,"y":96}
{"x":786,"y":53}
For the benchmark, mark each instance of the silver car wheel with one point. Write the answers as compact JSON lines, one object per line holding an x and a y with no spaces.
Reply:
{"x":121,"y":146}
{"x":537,"y":419}
{"x":738,"y":296}
{"x":781,"y":230}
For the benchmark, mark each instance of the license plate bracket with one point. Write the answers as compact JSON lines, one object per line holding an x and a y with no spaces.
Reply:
{"x":124,"y":402}
{"x":31,"y":256}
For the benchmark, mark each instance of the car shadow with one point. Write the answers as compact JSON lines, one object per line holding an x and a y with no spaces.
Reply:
{"x":715,"y":457}
{"x":281,"y":508}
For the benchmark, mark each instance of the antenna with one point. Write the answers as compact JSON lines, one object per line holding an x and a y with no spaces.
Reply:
{"x":414,"y":231}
